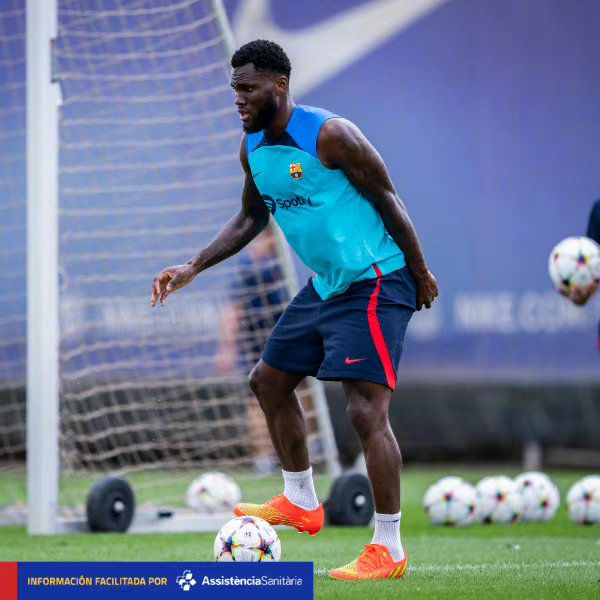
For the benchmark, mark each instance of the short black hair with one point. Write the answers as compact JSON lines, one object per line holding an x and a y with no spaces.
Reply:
{"x":264,"y":55}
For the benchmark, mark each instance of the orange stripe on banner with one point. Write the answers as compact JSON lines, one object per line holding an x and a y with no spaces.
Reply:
{"x":377,"y":334}
{"x":8,"y":580}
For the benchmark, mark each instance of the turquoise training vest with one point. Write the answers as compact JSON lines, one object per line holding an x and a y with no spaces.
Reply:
{"x":332,"y":227}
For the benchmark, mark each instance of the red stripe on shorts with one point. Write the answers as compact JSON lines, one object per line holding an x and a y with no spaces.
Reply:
{"x":377,"y":334}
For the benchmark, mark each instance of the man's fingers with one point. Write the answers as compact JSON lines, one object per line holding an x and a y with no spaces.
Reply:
{"x":158,"y":287}
{"x":155,"y":292}
{"x":165,"y":294}
{"x":168,"y":281}
{"x":169,"y":289}
{"x":576,"y":296}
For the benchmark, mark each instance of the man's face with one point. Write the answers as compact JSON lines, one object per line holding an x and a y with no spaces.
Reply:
{"x":256,"y":97}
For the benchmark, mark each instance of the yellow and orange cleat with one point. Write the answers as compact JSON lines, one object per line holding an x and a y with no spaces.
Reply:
{"x":374,"y":562}
{"x":280,"y":511}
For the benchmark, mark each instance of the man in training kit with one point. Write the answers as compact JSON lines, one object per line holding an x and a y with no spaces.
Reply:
{"x":330,"y":192}
{"x":579,"y":297}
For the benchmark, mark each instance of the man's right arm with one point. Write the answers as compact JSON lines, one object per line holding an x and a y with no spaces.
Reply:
{"x":235,"y":235}
{"x":238,"y":232}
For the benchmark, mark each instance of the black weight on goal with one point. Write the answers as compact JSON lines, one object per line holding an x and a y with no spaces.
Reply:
{"x":350,"y":501}
{"x":110,"y":505}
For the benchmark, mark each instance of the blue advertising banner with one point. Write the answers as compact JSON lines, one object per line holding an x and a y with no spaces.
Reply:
{"x":486,"y":114}
{"x":165,"y":580}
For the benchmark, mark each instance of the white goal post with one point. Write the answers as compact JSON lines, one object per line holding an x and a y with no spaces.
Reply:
{"x":42,"y":269}
{"x":111,"y":160}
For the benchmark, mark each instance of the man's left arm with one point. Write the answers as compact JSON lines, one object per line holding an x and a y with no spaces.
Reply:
{"x":342,"y":145}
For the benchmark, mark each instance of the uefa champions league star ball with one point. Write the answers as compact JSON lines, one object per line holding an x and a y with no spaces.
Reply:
{"x":498,"y":500}
{"x":583,"y":501}
{"x":247,"y":539}
{"x":541,"y":497}
{"x":213,"y":492}
{"x":450,"y":501}
{"x":574,"y":264}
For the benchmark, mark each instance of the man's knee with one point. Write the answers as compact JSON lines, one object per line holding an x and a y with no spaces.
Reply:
{"x":367,"y":408}
{"x":268,"y":383}
{"x":256,"y":380}
{"x":368,"y":413}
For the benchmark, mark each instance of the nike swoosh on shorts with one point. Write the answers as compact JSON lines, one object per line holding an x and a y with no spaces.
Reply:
{"x":349,"y":360}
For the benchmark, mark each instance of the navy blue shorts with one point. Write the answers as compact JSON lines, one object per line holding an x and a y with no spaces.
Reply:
{"x":356,"y":335}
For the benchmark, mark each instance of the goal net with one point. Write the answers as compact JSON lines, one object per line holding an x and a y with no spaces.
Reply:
{"x":12,"y":256}
{"x":148,"y":173}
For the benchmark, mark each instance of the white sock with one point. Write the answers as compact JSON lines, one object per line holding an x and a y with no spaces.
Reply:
{"x":300,"y":489}
{"x":387,"y":533}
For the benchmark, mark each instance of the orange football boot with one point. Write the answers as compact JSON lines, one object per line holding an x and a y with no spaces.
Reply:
{"x":280,"y":511}
{"x":374,"y":562}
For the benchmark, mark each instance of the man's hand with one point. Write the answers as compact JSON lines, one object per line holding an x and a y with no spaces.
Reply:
{"x":169,"y":280}
{"x":427,"y":290}
{"x":580,"y":297}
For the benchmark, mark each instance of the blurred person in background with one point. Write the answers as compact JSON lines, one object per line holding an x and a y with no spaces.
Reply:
{"x":331,"y":194}
{"x":259,"y":296}
{"x":580,"y":297}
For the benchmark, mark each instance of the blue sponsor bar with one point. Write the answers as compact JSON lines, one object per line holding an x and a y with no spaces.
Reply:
{"x":165,"y":580}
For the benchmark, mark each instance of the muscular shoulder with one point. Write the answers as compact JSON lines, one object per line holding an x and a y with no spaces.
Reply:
{"x":338,"y":139}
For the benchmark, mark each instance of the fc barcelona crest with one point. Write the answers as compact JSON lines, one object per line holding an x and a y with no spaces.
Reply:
{"x":296,"y":171}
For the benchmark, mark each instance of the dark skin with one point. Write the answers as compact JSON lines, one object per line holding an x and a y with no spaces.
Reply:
{"x":341,"y":145}
{"x":264,"y":103}
{"x":580,"y":297}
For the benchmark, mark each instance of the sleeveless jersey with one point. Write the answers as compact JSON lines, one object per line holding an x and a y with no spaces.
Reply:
{"x":332,"y":227}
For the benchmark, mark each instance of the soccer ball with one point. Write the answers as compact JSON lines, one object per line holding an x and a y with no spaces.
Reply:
{"x":583,"y":501}
{"x":541,"y":497}
{"x":450,"y":501}
{"x":213,"y":492}
{"x":498,"y":500}
{"x":574,"y":264}
{"x":247,"y":539}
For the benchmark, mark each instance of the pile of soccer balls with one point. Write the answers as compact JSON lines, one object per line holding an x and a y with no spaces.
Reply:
{"x":531,"y":497}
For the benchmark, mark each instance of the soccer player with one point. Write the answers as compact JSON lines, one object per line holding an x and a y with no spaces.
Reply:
{"x":579,"y":297}
{"x":330,"y":192}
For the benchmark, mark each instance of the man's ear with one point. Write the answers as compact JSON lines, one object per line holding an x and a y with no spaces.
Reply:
{"x":282,"y":83}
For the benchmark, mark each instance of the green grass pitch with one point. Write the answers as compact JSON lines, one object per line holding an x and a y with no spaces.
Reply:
{"x":550,"y":560}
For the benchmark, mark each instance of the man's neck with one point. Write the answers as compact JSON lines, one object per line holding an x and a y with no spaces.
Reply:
{"x":277,"y":127}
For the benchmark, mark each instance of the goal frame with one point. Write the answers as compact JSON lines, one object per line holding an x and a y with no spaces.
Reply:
{"x":43,"y":100}
{"x":43,"y":324}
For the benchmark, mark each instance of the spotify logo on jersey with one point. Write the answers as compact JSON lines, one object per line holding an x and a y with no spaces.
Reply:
{"x":272,"y":204}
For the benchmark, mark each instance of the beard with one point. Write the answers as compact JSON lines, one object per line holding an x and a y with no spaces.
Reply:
{"x":264,"y":117}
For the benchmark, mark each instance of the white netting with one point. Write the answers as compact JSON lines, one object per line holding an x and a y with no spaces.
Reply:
{"x":149,"y":172}
{"x":12,"y":250}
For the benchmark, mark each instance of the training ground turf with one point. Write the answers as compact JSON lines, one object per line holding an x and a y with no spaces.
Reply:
{"x":550,"y":560}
